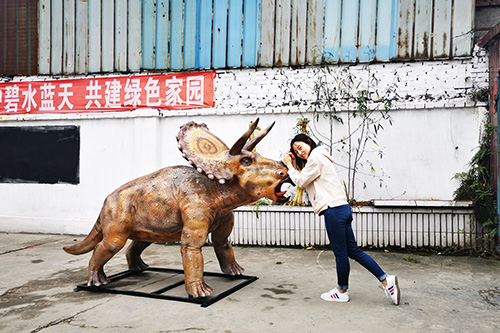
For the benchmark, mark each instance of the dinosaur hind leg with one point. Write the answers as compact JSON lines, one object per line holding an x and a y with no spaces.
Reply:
{"x":134,"y":260}
{"x":103,"y":251}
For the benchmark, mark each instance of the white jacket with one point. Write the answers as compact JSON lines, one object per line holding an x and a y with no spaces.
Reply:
{"x":321,"y":180}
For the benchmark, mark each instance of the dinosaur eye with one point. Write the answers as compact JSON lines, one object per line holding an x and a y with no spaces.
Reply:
{"x":246,"y":161}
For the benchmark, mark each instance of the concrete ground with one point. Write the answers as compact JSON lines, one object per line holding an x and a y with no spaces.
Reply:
{"x":439,"y":293}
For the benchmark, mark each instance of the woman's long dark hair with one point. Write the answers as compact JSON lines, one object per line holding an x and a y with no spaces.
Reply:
{"x":307,"y":140}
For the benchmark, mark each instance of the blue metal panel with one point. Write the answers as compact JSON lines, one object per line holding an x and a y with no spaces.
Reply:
{"x":250,"y":32}
{"x":148,"y":33}
{"x":394,"y":29}
{"x":332,"y":30}
{"x":234,"y":33}
{"x":204,"y":34}
{"x":384,"y":30}
{"x":219,"y":34}
{"x":176,"y":34}
{"x":161,"y":35}
{"x":349,"y":35}
{"x":189,"y":34}
{"x":367,"y":15}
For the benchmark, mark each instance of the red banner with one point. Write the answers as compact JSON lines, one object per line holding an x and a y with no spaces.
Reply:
{"x":108,"y":94}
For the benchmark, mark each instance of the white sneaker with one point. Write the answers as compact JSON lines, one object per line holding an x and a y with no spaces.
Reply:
{"x":392,"y":288}
{"x":335,"y":295}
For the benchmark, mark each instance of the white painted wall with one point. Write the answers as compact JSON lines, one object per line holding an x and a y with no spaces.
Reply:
{"x":435,"y":133}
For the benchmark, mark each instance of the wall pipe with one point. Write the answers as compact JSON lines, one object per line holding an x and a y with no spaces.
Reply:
{"x":497,"y":105}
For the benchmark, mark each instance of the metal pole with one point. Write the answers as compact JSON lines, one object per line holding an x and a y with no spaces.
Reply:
{"x":497,"y":100}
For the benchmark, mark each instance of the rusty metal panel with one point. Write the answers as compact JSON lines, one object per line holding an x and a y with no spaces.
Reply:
{"x":405,"y":29}
{"x":69,"y":36}
{"x":298,"y":38}
{"x":44,"y":49}
{"x":134,"y":35}
{"x":3,"y":37}
{"x":442,"y":29}
{"x":22,"y":40}
{"x":423,"y":29}
{"x":56,"y":37}
{"x":282,"y":33}
{"x":33,"y":28}
{"x":315,"y":32}
{"x":462,"y":29}
{"x":120,"y":33}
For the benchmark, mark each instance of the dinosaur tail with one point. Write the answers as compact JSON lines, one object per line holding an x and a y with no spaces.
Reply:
{"x":88,"y":243}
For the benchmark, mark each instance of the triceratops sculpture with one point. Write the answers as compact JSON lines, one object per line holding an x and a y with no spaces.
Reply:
{"x":185,"y":203}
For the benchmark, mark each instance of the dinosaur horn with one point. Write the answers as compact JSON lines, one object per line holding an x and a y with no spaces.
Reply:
{"x":236,"y":148}
{"x":252,"y":143}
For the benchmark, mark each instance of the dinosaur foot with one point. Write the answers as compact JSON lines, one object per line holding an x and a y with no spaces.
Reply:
{"x":138,"y":266}
{"x":97,"y":278}
{"x":233,"y":269}
{"x":198,"y":289}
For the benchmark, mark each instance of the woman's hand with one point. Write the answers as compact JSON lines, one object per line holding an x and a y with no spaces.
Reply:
{"x":288,"y":159}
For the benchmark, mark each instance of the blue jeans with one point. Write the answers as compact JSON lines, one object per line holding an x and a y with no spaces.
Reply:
{"x":338,"y":226}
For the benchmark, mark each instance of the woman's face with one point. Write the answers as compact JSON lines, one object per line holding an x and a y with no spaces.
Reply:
{"x":302,"y":149}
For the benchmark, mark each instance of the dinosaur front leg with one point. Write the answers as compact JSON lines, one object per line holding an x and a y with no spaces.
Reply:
{"x":194,"y":236}
{"x":223,"y":248}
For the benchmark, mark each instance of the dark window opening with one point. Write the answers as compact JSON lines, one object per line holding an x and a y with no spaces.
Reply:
{"x":40,"y":154}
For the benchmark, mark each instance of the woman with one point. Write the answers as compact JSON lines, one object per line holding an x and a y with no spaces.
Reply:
{"x":328,"y":198}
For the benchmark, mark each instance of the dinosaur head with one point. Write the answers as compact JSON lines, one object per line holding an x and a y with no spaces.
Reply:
{"x":256,"y":175}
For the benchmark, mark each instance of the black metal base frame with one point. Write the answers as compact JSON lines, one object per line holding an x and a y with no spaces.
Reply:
{"x":159,"y":294}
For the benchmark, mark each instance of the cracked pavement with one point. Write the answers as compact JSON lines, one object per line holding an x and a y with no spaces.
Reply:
{"x":439,"y":293}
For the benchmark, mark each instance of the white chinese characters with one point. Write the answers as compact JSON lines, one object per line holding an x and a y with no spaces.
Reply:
{"x":104,"y":94}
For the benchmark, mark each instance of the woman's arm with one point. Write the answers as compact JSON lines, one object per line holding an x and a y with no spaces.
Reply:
{"x":311,"y":171}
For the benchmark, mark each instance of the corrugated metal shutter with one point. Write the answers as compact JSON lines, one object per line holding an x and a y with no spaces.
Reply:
{"x":18,"y":37}
{"x":87,"y":36}
{"x":235,"y":33}
{"x":80,"y":36}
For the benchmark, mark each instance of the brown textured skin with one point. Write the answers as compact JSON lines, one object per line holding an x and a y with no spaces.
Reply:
{"x":179,"y":203}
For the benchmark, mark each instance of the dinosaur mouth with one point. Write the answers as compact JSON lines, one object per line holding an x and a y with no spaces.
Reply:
{"x":280,"y":195}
